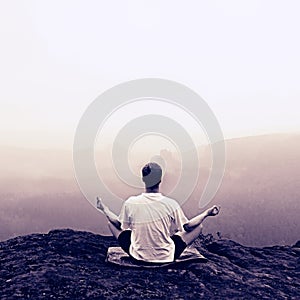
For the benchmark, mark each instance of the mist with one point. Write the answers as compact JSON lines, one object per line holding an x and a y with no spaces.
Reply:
{"x":259,"y":194}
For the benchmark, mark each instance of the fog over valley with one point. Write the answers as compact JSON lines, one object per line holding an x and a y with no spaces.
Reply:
{"x":259,"y":194}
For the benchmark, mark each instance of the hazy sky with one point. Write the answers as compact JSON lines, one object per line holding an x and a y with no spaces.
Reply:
{"x":56,"y":57}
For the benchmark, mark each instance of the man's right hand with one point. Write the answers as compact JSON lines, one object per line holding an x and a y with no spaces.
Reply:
{"x":213,"y":211}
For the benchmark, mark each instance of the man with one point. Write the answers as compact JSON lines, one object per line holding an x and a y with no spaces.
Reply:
{"x":144,"y":228}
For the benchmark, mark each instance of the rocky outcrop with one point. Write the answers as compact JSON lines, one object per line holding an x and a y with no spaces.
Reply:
{"x":67,"y":264}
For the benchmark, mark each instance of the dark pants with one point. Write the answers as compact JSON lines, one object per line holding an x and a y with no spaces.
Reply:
{"x":124,"y":240}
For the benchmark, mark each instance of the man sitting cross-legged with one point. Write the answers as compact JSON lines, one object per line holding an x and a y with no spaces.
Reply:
{"x":145,"y":224}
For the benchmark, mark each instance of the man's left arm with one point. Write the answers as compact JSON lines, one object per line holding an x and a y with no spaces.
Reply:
{"x":123,"y":218}
{"x":112,"y":218}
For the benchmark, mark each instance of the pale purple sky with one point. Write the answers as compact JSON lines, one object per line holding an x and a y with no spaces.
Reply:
{"x":56,"y":57}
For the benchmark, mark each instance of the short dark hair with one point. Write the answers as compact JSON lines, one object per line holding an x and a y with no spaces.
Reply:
{"x":152,"y":174}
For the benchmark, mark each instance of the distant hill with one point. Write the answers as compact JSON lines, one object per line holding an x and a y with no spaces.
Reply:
{"x":259,"y":195}
{"x":66,"y":264}
{"x":260,"y":192}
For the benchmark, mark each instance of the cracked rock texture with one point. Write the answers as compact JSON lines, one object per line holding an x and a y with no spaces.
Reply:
{"x":67,"y":264}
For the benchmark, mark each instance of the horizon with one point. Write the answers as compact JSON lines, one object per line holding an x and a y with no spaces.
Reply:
{"x":40,"y":192}
{"x":68,"y":146}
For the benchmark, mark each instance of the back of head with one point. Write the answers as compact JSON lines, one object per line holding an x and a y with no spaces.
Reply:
{"x":152,"y":174}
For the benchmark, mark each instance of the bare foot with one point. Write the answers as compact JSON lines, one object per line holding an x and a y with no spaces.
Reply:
{"x":213,"y":211}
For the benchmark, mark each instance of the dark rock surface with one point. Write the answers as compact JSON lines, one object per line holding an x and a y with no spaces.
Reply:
{"x":67,"y":264}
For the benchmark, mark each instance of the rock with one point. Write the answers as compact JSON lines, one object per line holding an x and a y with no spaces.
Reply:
{"x":67,"y":264}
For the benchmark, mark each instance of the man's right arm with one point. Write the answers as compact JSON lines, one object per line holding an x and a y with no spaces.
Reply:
{"x":187,"y":227}
{"x":196,"y":221}
{"x":180,"y":219}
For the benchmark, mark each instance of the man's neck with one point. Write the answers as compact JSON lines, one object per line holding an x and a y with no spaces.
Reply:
{"x":155,"y":190}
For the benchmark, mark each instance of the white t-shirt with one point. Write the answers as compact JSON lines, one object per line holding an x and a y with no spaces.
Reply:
{"x":151,"y":217}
